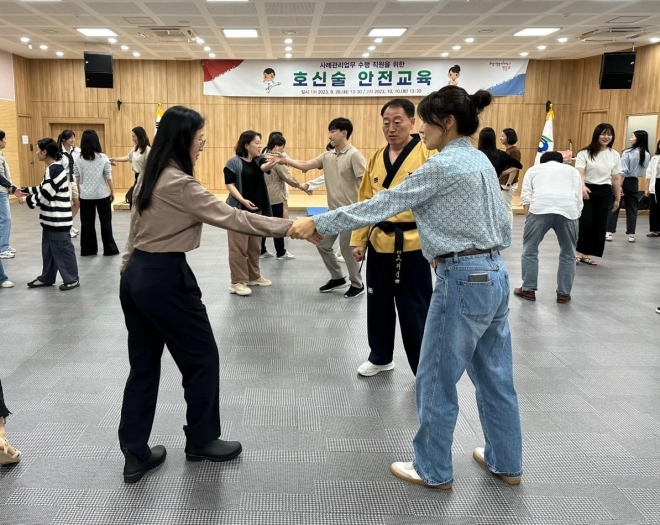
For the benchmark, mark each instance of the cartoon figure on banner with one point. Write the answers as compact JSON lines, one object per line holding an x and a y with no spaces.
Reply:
{"x":269,"y":79}
{"x":453,"y":74}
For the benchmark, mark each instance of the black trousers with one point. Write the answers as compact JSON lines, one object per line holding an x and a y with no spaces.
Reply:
{"x":162,"y":305}
{"x":88,"y":243}
{"x":593,"y":221}
{"x":654,"y":210}
{"x":630,"y":187}
{"x":278,"y":211}
{"x":58,"y":254}
{"x":4,"y":411}
{"x":412,"y":297}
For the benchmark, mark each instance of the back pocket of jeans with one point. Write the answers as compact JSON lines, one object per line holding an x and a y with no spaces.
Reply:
{"x":477,"y":299}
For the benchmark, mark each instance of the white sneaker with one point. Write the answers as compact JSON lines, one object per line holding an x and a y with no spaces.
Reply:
{"x":262,"y":281}
{"x":6,"y":284}
{"x":12,"y":250}
{"x":286,"y":255}
{"x":266,"y":255}
{"x":631,"y":238}
{"x":239,"y":289}
{"x":7,"y":255}
{"x":608,"y":236}
{"x":73,"y":233}
{"x":75,"y":230}
{"x":340,"y":257}
{"x":406,"y":472}
{"x":368,"y":369}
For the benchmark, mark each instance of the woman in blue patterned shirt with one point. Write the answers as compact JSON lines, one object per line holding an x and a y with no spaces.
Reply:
{"x":462,"y":223}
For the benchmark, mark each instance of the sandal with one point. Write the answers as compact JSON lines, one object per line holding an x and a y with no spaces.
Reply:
{"x":588,"y":260}
{"x":5,"y":457}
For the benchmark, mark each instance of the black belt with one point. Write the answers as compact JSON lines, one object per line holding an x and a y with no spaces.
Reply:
{"x":465,"y":253}
{"x":398,"y":228}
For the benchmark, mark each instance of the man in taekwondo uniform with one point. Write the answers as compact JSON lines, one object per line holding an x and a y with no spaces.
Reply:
{"x":397,"y":272}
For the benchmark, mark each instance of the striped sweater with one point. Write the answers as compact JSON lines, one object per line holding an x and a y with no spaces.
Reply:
{"x":53,"y":199}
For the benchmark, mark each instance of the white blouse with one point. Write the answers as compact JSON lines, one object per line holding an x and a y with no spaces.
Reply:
{"x":138,"y":159}
{"x":601,"y":168}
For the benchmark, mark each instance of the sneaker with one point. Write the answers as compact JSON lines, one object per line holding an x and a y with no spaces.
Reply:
{"x":657,"y":310}
{"x":11,"y":250}
{"x":631,"y":238}
{"x":239,"y":289}
{"x":340,"y":257}
{"x":37,"y":284}
{"x":73,"y":233}
{"x":563,"y":299}
{"x":332,"y":284}
{"x":354,"y":291}
{"x":75,"y":230}
{"x":69,"y":286}
{"x":6,"y":284}
{"x":286,"y":255}
{"x":529,"y":295}
{"x":7,"y":255}
{"x":478,"y":456}
{"x":262,"y":281}
{"x":608,"y":236}
{"x":368,"y":369}
{"x":406,"y":472}
{"x":266,"y":255}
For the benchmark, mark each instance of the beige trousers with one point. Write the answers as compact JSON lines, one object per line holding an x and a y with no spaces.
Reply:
{"x":327,"y":252}
{"x":244,"y":251}
{"x":508,"y":201}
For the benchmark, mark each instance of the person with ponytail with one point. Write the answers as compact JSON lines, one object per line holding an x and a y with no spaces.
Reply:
{"x":463,"y":225}
{"x":66,"y":142}
{"x":53,"y":199}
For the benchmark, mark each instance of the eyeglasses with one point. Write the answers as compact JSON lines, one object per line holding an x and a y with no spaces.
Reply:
{"x":202,"y":142}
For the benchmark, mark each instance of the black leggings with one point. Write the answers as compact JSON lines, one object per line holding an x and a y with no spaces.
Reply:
{"x":4,"y":412}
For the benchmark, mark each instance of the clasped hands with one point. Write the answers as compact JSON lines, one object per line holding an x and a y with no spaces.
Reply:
{"x":21,"y":196}
{"x":304,"y":228}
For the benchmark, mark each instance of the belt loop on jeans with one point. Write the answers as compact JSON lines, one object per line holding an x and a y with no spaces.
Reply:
{"x":455,"y":257}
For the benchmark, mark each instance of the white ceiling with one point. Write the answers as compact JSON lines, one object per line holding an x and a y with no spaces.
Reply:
{"x":325,"y":29}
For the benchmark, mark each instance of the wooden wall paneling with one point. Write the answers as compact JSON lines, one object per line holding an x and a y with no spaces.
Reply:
{"x":588,"y":122}
{"x":592,"y":97}
{"x":22,"y":85}
{"x":644,"y":94}
{"x":536,"y":82}
{"x":27,"y":153}
{"x":8,"y":124}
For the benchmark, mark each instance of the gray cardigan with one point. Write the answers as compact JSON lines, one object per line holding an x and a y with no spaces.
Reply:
{"x":235,"y":164}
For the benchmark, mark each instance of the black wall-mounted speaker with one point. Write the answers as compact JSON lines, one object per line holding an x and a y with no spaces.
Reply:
{"x":98,"y":70}
{"x":617,"y":70}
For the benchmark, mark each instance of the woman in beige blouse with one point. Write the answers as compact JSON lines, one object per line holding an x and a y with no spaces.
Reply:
{"x":137,"y":156}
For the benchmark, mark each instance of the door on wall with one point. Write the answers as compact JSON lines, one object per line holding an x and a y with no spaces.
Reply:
{"x":27,"y":153}
{"x":78,"y":128}
{"x":588,"y":122}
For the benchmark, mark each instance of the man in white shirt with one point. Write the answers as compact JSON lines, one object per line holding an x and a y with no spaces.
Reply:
{"x":552,"y":198}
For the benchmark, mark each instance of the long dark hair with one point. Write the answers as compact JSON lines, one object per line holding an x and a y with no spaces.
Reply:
{"x":274,"y":140}
{"x":176,"y":132}
{"x":594,"y":146}
{"x":642,"y":144}
{"x":142,"y":139}
{"x":454,"y":101}
{"x":90,"y":144}
{"x":50,"y":147}
{"x":487,"y":142}
{"x":64,"y":136}
{"x":657,"y":148}
{"x":2,"y":135}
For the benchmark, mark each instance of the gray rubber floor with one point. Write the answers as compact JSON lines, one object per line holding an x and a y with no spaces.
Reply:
{"x":318,"y":439}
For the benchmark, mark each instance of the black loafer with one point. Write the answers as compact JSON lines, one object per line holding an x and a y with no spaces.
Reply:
{"x":216,"y":450}
{"x":134,"y":469}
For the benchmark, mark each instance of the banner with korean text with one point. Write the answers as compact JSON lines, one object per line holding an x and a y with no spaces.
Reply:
{"x":360,"y":78}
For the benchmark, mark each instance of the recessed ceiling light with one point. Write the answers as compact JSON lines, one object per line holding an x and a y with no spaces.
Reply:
{"x":469,"y":40}
{"x":540,"y":48}
{"x":365,"y":55}
{"x":524,"y":54}
{"x":125,"y":48}
{"x":288,"y":55}
{"x":25,"y":40}
{"x":112,"y":40}
{"x":456,"y":48}
{"x":562,"y":39}
{"x":96,"y":31}
{"x":211,"y":55}
{"x":289,"y":32}
{"x":445,"y":54}
{"x":207,"y":48}
{"x":378,"y":40}
{"x":288,"y":48}
{"x":537,"y":31}
{"x":136,"y":54}
{"x":59,"y":53}
{"x":654,"y":40}
{"x":43,"y":47}
{"x":288,"y":41}
{"x":387,"y":31}
{"x":200,"y":40}
{"x":371,"y":48}
{"x":240,"y":33}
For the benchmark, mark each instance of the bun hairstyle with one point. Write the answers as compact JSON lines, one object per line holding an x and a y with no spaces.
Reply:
{"x":455,"y":101}
{"x":455,"y":69}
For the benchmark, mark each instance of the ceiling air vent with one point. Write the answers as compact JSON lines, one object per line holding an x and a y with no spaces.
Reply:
{"x":169,"y":34}
{"x":613,"y":34}
{"x":380,"y":55}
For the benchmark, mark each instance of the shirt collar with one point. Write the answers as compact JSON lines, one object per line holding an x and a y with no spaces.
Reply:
{"x":346,"y":148}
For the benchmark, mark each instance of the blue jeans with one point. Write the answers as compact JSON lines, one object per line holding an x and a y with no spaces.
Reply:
{"x":536,"y":226}
{"x":3,"y":275}
{"x":5,"y":222}
{"x":467,"y":330}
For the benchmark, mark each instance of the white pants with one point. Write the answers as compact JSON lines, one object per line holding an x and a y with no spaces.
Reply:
{"x":508,"y":201}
